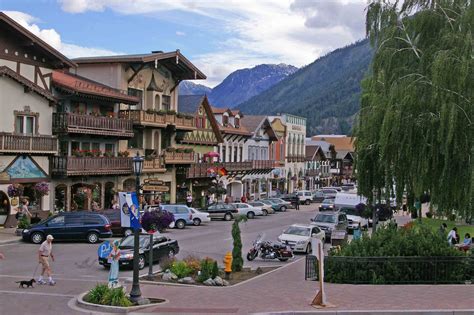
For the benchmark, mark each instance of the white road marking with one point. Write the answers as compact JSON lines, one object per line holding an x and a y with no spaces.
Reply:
{"x":36,"y":293}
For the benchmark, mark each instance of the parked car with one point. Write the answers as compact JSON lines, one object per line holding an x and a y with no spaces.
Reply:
{"x":222,"y":211}
{"x":162,"y":247}
{"x":248,"y":210}
{"x":273,"y":205}
{"x":298,"y":237}
{"x":329,"y":192}
{"x":200,"y":217}
{"x":329,"y":222}
{"x":182,"y":215}
{"x":281,"y":204}
{"x":114,"y":216}
{"x":327,"y":205}
{"x":80,"y":225}
{"x":354,"y":219}
{"x":318,"y":196}
{"x":266,"y":208}
{"x":305,"y":196}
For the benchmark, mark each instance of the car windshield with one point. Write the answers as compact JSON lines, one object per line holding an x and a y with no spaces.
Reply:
{"x":128,"y":241}
{"x":330,"y":201}
{"x":325,"y":218}
{"x":297,"y":230}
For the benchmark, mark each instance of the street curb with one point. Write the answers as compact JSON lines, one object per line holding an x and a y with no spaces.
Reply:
{"x":373,"y":312}
{"x":111,"y":309}
{"x":10,"y":242}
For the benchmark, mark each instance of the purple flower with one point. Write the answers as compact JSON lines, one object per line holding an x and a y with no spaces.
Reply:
{"x":42,"y":188}
{"x":156,"y":220}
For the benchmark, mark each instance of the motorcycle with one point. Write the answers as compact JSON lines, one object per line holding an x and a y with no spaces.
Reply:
{"x":268,"y":250}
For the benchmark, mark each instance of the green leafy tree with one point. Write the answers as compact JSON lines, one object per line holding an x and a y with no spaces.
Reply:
{"x":415,"y":130}
{"x":237,"y":260}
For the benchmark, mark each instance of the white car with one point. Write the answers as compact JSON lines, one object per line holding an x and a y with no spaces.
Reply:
{"x":298,"y":237}
{"x":199,"y":217}
{"x":354,"y":220}
{"x":248,"y":210}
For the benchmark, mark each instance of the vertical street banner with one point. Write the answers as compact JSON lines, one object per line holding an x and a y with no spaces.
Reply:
{"x":129,"y":214}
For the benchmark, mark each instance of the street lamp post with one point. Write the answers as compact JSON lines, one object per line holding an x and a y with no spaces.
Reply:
{"x":135,"y":293}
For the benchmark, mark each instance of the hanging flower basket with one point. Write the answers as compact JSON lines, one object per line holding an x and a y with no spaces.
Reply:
{"x":42,"y":189}
{"x":15,"y":190}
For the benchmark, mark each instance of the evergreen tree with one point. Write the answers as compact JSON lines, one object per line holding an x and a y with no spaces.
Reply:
{"x":415,"y":130}
{"x":237,"y":260}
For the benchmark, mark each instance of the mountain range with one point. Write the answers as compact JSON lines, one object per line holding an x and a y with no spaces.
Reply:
{"x":240,"y":85}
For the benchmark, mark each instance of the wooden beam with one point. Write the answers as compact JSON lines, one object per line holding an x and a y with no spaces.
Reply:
{"x":135,"y":71}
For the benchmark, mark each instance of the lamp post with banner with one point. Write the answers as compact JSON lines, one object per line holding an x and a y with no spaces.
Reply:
{"x":135,"y":293}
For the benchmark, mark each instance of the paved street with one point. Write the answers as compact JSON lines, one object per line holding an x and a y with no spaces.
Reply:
{"x":77,"y":270}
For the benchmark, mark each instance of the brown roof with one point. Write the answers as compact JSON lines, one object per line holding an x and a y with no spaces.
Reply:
{"x":235,"y":131}
{"x":173,"y":60}
{"x":341,"y":143}
{"x":5,"y":71}
{"x":251,"y":122}
{"x":61,"y":60}
{"x":220,"y":110}
{"x":81,"y":85}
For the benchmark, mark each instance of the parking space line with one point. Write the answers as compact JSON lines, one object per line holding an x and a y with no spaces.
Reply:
{"x":37,"y":293}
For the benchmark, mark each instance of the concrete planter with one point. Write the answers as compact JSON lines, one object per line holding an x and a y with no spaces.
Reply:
{"x":112,"y":309}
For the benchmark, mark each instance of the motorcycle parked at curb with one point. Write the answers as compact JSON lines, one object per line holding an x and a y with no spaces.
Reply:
{"x":268,"y":250}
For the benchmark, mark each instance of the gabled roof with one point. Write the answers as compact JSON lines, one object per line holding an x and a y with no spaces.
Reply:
{"x":5,"y":71}
{"x":340,"y":142}
{"x":76,"y":84}
{"x":174,"y":61}
{"x":312,"y":150}
{"x":252,"y":122}
{"x":58,"y":59}
{"x":189,"y":104}
{"x":221,"y":110}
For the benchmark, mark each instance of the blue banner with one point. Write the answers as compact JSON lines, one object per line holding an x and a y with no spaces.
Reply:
{"x":135,"y":212}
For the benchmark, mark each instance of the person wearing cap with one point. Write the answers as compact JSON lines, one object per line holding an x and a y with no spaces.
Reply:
{"x":44,"y":252}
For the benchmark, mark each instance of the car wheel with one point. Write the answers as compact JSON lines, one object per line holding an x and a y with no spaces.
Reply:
{"x":227,"y":217}
{"x":171,"y":254}
{"x":197,"y":221}
{"x":283,"y":208}
{"x":180,"y":224}
{"x":265,"y":212}
{"x":127,"y":232}
{"x":307,"y":202}
{"x":308,"y":249}
{"x":250,"y":215}
{"x":37,"y":237}
{"x":141,"y":262}
{"x":92,"y":237}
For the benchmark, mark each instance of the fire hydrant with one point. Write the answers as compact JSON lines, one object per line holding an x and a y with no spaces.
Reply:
{"x":228,"y":264}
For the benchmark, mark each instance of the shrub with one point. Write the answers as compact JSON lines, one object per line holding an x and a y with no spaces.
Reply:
{"x":115,"y":297}
{"x":215,"y":270}
{"x":193,"y":263}
{"x":181,"y":269}
{"x":96,"y":294}
{"x":166,"y":263}
{"x":23,"y":222}
{"x":429,"y":215}
{"x":237,"y":260}
{"x":206,"y":269}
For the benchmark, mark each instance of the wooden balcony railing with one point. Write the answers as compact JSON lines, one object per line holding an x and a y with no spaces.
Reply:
{"x":154,"y":165}
{"x":161,"y":120}
{"x":295,"y":158}
{"x":36,"y":144}
{"x":200,"y":170}
{"x":86,"y":124}
{"x":178,"y":157}
{"x":77,"y":166}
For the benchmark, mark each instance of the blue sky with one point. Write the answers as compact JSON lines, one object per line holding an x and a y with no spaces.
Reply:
{"x":219,"y":36}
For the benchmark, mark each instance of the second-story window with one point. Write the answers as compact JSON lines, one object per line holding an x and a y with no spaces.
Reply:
{"x":237,"y":122}
{"x":25,"y":124}
{"x":138,"y":93}
{"x":166,"y":102}
{"x":225,"y":120}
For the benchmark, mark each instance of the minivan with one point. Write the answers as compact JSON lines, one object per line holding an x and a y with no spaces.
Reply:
{"x":80,"y":225}
{"x":182,"y":214}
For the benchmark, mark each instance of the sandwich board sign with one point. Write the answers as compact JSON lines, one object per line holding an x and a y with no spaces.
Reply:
{"x":129,"y":214}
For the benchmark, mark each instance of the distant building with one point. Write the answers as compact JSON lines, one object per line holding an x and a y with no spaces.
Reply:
{"x":295,"y":151}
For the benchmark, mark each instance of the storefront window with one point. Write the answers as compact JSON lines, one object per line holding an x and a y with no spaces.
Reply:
{"x":60,"y":198}
{"x":4,"y":204}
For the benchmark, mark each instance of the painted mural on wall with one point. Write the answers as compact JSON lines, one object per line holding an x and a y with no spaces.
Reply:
{"x":23,"y":167}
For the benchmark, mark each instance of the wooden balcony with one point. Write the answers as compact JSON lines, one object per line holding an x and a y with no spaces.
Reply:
{"x":295,"y":158}
{"x":178,"y":157}
{"x":32,"y":144}
{"x":160,"y":120}
{"x":86,"y":124}
{"x":243,"y":168}
{"x":153,"y":166}
{"x":79,"y":166}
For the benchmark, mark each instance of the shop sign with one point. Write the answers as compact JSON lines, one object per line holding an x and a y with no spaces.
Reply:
{"x":159,"y":188}
{"x":154,"y":182}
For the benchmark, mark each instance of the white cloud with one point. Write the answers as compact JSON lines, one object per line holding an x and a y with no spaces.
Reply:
{"x":52,"y":37}
{"x":179,"y":33}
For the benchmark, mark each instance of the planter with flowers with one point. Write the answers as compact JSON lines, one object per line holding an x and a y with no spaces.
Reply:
{"x":108,"y":154}
{"x":15,"y":190}
{"x":77,"y":153}
{"x":123,"y":153}
{"x":42,"y":189}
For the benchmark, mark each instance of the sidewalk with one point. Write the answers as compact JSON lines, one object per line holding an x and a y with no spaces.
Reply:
{"x":7,"y":236}
{"x":285,"y":290}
